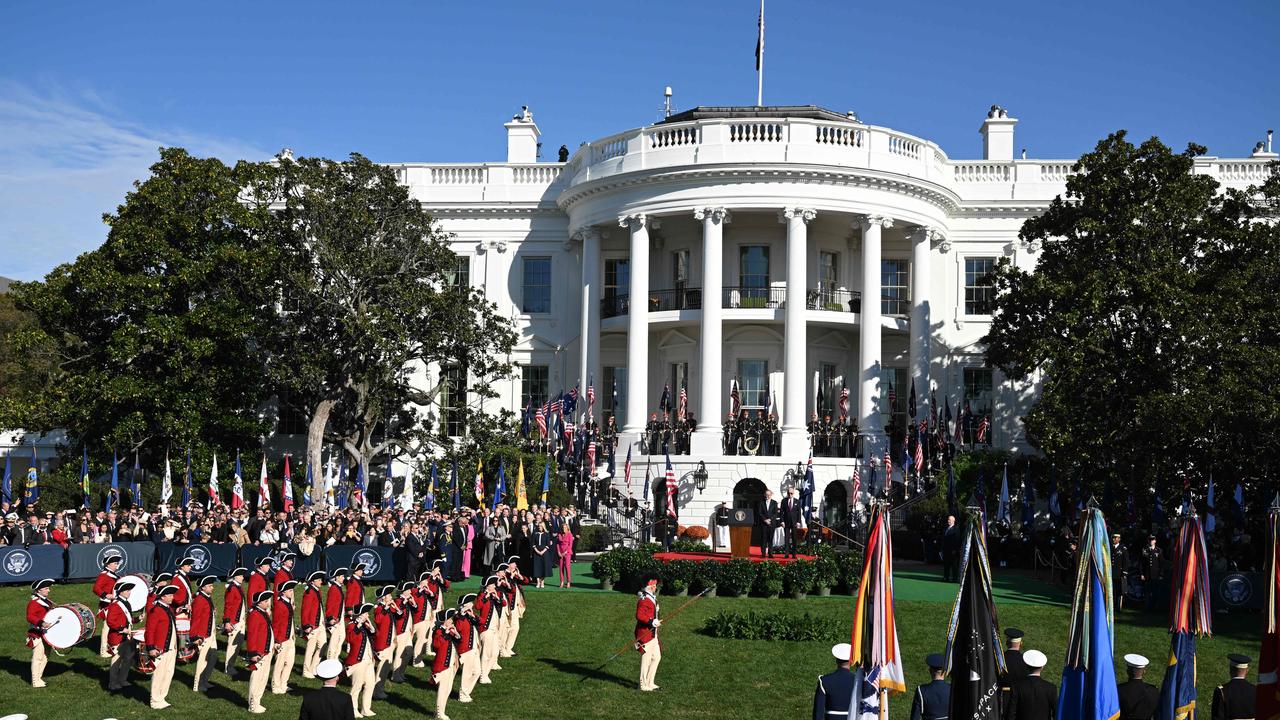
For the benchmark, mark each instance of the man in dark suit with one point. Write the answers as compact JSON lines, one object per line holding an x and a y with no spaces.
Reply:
{"x":1236,"y":698}
{"x":327,"y":703}
{"x":1034,"y":698}
{"x":767,"y":519}
{"x":951,"y":540}
{"x":932,"y":701}
{"x":1138,"y":699}
{"x":835,"y":689}
{"x":415,"y":546}
{"x":790,"y":521}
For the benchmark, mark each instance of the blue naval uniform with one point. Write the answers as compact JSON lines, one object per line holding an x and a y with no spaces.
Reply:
{"x":932,"y":701}
{"x":831,"y":698}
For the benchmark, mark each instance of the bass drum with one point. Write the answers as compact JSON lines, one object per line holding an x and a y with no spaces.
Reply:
{"x":72,"y":624}
{"x":140,"y":592}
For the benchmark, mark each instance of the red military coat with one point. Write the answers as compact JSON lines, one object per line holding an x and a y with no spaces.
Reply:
{"x":104,"y":586}
{"x":646,"y":614}
{"x":359,"y":639}
{"x":162,"y":628}
{"x":312,"y":610}
{"x":467,"y":633}
{"x":37,"y":608}
{"x":257,"y":583}
{"x":281,"y":577}
{"x":202,"y":615}
{"x":282,"y":620}
{"x":119,"y":623}
{"x":445,"y":645}
{"x":384,"y":617}
{"x":333,"y":604}
{"x":353,"y":596}
{"x":425,"y":601}
{"x":233,"y":604}
{"x":258,"y":638}
{"x":485,"y":606}
{"x":183,"y":597}
{"x":406,"y":615}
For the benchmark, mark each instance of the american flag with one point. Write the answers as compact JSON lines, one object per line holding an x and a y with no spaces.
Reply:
{"x":626,"y":471}
{"x":983,"y":427}
{"x":844,"y":400}
{"x":684,"y":402}
{"x":591,"y":398}
{"x":541,"y":418}
{"x":919,"y":456}
{"x":857,"y":482}
{"x":893,"y":399}
{"x":287,"y":488}
{"x":554,"y":406}
{"x":591,"y":455}
{"x":672,"y":490}
{"x":735,"y":400}
{"x":568,"y":430}
{"x":960,"y":420}
{"x":888,"y":465}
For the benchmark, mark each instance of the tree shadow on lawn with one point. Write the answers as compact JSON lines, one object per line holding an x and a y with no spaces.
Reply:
{"x":586,"y":672}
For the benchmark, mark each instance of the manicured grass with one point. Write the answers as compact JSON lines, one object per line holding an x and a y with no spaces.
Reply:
{"x":567,"y":636}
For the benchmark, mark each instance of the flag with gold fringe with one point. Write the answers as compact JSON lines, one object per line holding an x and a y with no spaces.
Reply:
{"x":1089,"y":677}
{"x":1268,"y":689}
{"x":1188,"y":618}
{"x":875,"y":655}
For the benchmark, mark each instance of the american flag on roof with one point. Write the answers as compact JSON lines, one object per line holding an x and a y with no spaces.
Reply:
{"x":672,"y":490}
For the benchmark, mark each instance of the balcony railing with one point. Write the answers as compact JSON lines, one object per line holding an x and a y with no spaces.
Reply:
{"x":737,"y":297}
{"x":835,"y":300}
{"x":659,"y":301}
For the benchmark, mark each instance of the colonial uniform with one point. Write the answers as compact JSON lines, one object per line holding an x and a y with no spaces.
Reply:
{"x":259,"y":644}
{"x":444,"y":665}
{"x":1237,"y":698}
{"x":488,"y":610}
{"x":354,"y":592}
{"x":282,"y":631}
{"x":203,"y":635}
{"x":647,"y":642}
{"x":161,"y":642}
{"x":182,"y":581}
{"x":334,"y":614}
{"x":516,"y":601}
{"x":468,"y":648}
{"x":313,"y":625}
{"x":384,"y":635}
{"x":360,"y":661}
{"x":104,"y":587}
{"x":120,"y":643}
{"x":37,"y":607}
{"x":283,"y":574}
{"x":259,"y":580}
{"x":423,"y":614}
{"x":235,"y":605}
{"x":402,"y":645}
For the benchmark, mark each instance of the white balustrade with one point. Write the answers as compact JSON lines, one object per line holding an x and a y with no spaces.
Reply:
{"x":674,"y":136}
{"x":1245,"y":171}
{"x":1055,"y":171}
{"x":539,"y":174}
{"x":609,"y":149}
{"x":459,"y":175}
{"x":744,"y":132}
{"x":978,"y":172}
{"x":838,"y":135}
{"x":906,"y":146}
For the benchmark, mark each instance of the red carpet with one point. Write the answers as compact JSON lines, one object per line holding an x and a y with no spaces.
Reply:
{"x":725,"y":557}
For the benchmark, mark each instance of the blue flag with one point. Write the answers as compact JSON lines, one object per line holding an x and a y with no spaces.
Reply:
{"x":306,"y":493}
{"x":113,"y":495}
{"x":1090,"y":693}
{"x":457,"y":499}
{"x":1028,"y":499}
{"x":33,"y":480}
{"x":358,"y":493}
{"x":186,"y":483}
{"x":951,"y":488}
{"x":546,"y":482}
{"x":429,"y":500}
{"x":1178,"y":691}
{"x":806,"y":490}
{"x":388,"y":499}
{"x":6,"y":489}
{"x":343,"y":497}
{"x":84,"y":476}
{"x":502,"y":484}
{"x":135,"y":494}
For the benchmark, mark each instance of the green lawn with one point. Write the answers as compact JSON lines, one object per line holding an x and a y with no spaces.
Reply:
{"x":566,"y":636}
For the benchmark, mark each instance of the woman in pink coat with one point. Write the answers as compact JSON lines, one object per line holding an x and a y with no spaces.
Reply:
{"x":564,"y":548}
{"x":470,"y":532}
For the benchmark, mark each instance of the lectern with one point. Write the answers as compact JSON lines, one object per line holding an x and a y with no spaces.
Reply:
{"x":741,"y":521}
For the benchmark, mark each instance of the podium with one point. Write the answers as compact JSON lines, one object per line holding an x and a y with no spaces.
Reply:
{"x":741,"y":522}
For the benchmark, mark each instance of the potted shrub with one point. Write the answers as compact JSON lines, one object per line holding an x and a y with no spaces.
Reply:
{"x":798,"y":577}
{"x":706,"y":576}
{"x":850,"y":565}
{"x":769,"y":579}
{"x":606,"y":569}
{"x":676,"y":576}
{"x":736,"y":577}
{"x":826,"y":571}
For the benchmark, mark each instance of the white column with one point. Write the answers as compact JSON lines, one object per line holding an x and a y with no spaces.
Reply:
{"x":590,"y":339}
{"x":637,"y":324}
{"x":921,"y":240}
{"x":794,"y":360}
{"x":707,"y":439}
{"x":869,"y":422}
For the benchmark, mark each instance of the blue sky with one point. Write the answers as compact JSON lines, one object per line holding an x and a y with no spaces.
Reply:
{"x":89,"y":90}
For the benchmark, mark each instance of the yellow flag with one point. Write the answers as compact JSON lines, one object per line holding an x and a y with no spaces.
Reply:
{"x":522,"y":499}
{"x":480,"y":483}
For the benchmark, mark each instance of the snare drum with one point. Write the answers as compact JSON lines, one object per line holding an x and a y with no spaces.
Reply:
{"x":184,"y":635}
{"x":141,"y":590}
{"x":72,"y":624}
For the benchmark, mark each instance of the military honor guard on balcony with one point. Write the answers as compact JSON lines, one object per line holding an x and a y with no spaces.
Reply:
{"x":202,"y":636}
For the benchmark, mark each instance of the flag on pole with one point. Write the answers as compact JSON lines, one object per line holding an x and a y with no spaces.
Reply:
{"x":406,"y":494}
{"x":664,"y":403}
{"x":911,"y":401}
{"x":735,"y":400}
{"x":1188,"y":617}
{"x":361,"y":498}
{"x":1210,"y":521}
{"x":480,"y":483}
{"x":974,"y":656}
{"x":540,"y":417}
{"x":591,"y":456}
{"x":1003,"y":513}
{"x":857,"y":485}
{"x":306,"y":491}
{"x":874,"y":646}
{"x":237,"y":487}
{"x":32,"y":495}
{"x":433,"y":486}
{"x":807,"y":490}
{"x":388,"y":487}
{"x":135,"y":492}
{"x":6,"y":488}
{"x":286,"y":489}
{"x":342,"y":493}
{"x":264,"y":489}
{"x":888,"y":466}
{"x":672,"y":490}
{"x":546,"y":482}
{"x":214,"y":499}
{"x":501,"y":490}
{"x":166,"y":483}
{"x":918,"y":457}
{"x":684,"y":400}
{"x":1268,"y":689}
{"x":984,"y":426}
{"x":844,"y":401}
{"x":951,"y":488}
{"x":626,"y":471}
{"x":330,"y":483}
{"x":84,"y":477}
{"x":457,"y":498}
{"x":1089,"y":677}
{"x":187,"y":487}
{"x":591,"y":397}
{"x":760,"y":39}
{"x":522,"y":496}
{"x":113,"y":495}
{"x":1028,"y":500}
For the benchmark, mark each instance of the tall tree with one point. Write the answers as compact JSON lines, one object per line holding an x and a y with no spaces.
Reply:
{"x":1152,"y":319}
{"x":371,"y":312}
{"x":154,"y":337}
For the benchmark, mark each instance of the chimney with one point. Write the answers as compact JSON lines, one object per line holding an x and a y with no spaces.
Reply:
{"x":997,"y":135}
{"x":522,"y":138}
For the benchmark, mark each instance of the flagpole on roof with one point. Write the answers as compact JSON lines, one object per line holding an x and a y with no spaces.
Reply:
{"x":760,"y":58}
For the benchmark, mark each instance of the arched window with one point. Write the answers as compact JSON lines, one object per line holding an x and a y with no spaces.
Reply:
{"x":748,"y":493}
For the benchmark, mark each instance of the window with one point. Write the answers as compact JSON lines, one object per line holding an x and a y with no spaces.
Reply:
{"x":290,"y":419}
{"x":830,"y":392}
{"x":979,"y":287}
{"x":978,"y":390}
{"x":460,"y":275}
{"x":614,"y":377}
{"x":679,"y":269}
{"x":453,"y":401}
{"x":894,"y":299}
{"x":537,"y":285}
{"x":753,"y":275}
{"x":617,"y":277}
{"x":753,"y":380}
{"x":828,"y":271}
{"x":534,"y":380}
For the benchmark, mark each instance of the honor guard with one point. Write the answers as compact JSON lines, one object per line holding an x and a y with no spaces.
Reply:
{"x":402,"y":646}
{"x":313,"y":624}
{"x":161,"y":640}
{"x":37,"y":607}
{"x":157,"y":584}
{"x":360,"y":659}
{"x":835,"y":689}
{"x":259,"y":644}
{"x":335,"y":613}
{"x":327,"y":703}
{"x":647,"y":643}
{"x":121,"y":646}
{"x":772,"y":442}
{"x":285,"y":571}
{"x":384,"y":635}
{"x":1138,"y":699}
{"x":282,"y":632}
{"x":260,"y":580}
{"x":653,"y":432}
{"x":235,"y":606}
{"x":1015,"y":669}
{"x":202,"y":635}
{"x":182,"y":580}
{"x":354,"y":591}
{"x":516,"y":600}
{"x":730,"y":435}
{"x":444,"y":663}
{"x":933,"y":700}
{"x":468,"y":646}
{"x":1034,"y":698}
{"x":1119,"y":570}
{"x":1237,"y":698}
{"x":104,"y":588}
{"x":423,"y":619}
{"x":488,"y":609}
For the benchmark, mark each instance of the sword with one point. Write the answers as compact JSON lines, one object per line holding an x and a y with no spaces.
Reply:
{"x":630,"y":645}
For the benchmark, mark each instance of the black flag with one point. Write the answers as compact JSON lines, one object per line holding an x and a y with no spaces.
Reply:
{"x":974,"y":656}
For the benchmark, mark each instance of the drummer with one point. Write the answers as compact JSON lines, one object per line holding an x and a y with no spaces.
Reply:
{"x":182,"y":579}
{"x":235,"y":603}
{"x":201,"y":634}
{"x":118,"y":629}
{"x":37,"y":607}
{"x":104,"y":588}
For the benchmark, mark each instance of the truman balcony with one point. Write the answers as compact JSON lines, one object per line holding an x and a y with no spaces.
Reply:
{"x":830,"y":306}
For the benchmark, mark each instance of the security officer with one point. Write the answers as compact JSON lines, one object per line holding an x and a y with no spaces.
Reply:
{"x":933,"y":700}
{"x":653,"y":433}
{"x":1015,"y":668}
{"x":1034,"y":698}
{"x":835,"y":689}
{"x":1237,"y":698}
{"x":1138,"y":699}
